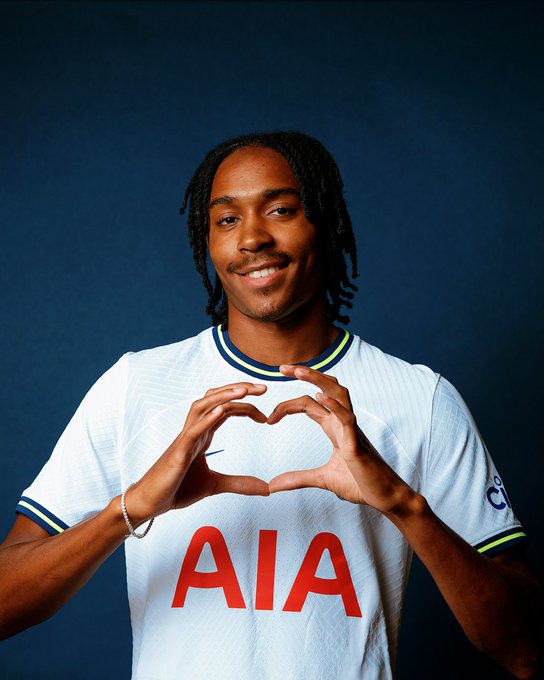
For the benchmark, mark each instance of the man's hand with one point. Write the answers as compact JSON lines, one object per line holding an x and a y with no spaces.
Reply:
{"x":496,"y":601}
{"x":355,"y":471}
{"x":181,"y":476}
{"x":40,"y":573}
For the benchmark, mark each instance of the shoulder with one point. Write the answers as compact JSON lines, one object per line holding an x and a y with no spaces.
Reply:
{"x":166,"y":358}
{"x":161,"y":365}
{"x":170,"y":373}
{"x":389,"y":390}
{"x":368,"y":365}
{"x":174,"y":351}
{"x":392,"y":399}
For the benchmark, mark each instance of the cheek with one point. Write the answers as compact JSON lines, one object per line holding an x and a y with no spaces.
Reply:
{"x":216,"y":254}
{"x":309,"y":251}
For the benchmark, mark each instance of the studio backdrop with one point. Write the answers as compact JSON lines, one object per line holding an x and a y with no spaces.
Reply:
{"x":433,"y":112}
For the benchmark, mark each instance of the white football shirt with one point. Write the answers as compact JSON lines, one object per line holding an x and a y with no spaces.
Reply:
{"x":298,"y":585}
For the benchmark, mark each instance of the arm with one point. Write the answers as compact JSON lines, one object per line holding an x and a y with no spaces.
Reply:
{"x":495,"y":600}
{"x":40,"y":573}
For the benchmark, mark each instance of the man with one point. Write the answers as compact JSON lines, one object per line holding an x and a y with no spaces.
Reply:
{"x":377,"y":457}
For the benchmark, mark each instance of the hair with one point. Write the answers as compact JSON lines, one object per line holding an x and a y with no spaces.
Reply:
{"x":321,"y":194}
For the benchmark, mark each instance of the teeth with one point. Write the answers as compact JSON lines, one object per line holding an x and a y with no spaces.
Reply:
{"x":263,"y":272}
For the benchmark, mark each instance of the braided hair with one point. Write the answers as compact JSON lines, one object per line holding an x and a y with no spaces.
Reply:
{"x":321,"y":194}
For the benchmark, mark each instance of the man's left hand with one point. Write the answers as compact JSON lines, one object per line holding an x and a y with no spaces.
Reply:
{"x":355,"y":471}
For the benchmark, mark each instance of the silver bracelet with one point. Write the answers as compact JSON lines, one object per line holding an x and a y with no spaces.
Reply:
{"x":125,"y":515}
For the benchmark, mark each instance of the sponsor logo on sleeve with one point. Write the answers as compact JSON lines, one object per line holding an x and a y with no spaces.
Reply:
{"x":497,"y":495}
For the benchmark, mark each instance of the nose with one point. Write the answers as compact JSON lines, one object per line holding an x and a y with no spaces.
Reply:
{"x":254,"y":234}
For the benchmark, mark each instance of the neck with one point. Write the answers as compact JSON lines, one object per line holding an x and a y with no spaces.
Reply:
{"x":287,"y":341}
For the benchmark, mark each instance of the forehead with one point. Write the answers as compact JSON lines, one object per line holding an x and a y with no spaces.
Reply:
{"x":251,"y":170}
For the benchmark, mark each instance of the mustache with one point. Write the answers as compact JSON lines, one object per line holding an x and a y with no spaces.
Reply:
{"x":282,"y":259}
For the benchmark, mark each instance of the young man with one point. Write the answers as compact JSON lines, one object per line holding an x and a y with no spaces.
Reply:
{"x":375,"y":458}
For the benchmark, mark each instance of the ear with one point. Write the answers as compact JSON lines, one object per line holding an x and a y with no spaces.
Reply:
{"x":207,"y":240}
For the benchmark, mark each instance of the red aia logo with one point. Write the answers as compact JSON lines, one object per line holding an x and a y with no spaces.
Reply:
{"x":305,"y":581}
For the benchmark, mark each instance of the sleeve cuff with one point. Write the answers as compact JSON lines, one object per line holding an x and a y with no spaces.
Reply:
{"x":506,"y":539}
{"x":36,"y":512}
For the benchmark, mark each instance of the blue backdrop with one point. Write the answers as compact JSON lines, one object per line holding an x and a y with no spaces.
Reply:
{"x":434,"y":114}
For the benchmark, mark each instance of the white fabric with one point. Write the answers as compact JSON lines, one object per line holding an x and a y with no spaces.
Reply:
{"x":414,"y":418}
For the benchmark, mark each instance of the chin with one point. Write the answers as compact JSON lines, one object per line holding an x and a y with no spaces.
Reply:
{"x":266,"y":314}
{"x":268,"y":310}
{"x":270,"y":313}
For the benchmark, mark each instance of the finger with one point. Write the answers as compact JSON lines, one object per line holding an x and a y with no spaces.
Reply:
{"x":293,"y":370}
{"x":252,"y":388}
{"x":297,"y":479}
{"x":344,"y":415}
{"x":205,"y":423}
{"x":218,"y":397}
{"x":241,"y":484}
{"x":303,"y":404}
{"x":217,"y":416}
{"x":327,"y":383}
{"x":239,"y":409}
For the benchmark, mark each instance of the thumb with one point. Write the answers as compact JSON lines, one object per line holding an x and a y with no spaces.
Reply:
{"x":240,"y":484}
{"x":297,"y":479}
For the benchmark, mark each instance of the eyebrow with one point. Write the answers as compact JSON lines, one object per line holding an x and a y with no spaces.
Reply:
{"x":267,"y":194}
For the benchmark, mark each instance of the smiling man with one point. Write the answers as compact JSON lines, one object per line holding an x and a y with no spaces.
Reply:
{"x":188,"y":447}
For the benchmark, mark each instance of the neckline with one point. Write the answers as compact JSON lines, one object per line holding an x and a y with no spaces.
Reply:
{"x":232,"y":355}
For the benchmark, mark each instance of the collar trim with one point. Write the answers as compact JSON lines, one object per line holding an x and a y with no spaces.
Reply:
{"x":236,"y":358}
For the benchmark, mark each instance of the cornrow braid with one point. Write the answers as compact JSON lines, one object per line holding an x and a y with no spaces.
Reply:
{"x":321,"y":195}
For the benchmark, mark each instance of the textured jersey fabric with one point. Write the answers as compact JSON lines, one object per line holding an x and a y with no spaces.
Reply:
{"x":298,"y":585}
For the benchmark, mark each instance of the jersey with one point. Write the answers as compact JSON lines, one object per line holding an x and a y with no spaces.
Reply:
{"x":301,"y":584}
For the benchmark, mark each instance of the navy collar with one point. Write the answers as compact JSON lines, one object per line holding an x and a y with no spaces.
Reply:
{"x":242,"y":362}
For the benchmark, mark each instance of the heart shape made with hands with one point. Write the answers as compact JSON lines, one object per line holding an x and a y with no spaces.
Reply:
{"x":354,"y":464}
{"x":355,"y":471}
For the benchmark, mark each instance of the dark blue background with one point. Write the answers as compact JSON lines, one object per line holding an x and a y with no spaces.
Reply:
{"x":434,"y":114}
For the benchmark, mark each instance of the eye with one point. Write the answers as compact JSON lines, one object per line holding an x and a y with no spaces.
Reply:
{"x":282,"y":210}
{"x":228,"y":220}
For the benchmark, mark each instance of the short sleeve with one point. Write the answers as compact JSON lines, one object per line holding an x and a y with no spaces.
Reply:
{"x":82,"y":475}
{"x":461,"y":483}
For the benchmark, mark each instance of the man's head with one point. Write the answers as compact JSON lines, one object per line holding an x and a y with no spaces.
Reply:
{"x":312,"y":174}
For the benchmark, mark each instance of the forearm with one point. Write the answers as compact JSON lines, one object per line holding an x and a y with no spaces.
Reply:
{"x":39,"y":574}
{"x":495,"y":607}
{"x":38,"y":577}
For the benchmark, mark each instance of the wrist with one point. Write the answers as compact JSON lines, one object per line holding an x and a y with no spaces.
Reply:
{"x":116,"y":518}
{"x":134,"y":507}
{"x":132,"y":529}
{"x":412,"y":507}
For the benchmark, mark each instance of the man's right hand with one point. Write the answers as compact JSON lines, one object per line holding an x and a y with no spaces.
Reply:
{"x":39,"y":573}
{"x":181,"y":476}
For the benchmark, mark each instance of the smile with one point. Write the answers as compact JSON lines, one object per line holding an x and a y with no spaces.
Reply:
{"x":262,"y":272}
{"x":263,"y":277}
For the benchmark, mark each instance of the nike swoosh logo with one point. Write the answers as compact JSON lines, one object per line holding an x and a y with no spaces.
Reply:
{"x":210,"y":453}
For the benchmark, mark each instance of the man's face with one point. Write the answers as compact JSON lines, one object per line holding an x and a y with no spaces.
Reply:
{"x":262,"y":246}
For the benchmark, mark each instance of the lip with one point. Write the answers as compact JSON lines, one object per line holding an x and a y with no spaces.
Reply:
{"x":263,"y":265}
{"x":263,"y":281}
